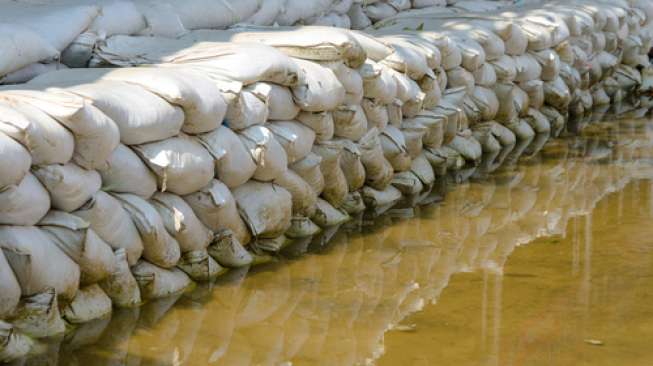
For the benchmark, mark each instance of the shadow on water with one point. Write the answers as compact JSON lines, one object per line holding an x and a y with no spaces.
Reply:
{"x":369,"y":294}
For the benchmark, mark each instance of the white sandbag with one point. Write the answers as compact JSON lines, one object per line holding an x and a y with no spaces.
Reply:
{"x":249,"y":108}
{"x":350,"y":79}
{"x":181,"y":222}
{"x":320,"y":122}
{"x":538,"y":121}
{"x":394,"y":111}
{"x":304,"y":197}
{"x":626,"y":76}
{"x":377,"y":199}
{"x":376,"y":113}
{"x":394,"y":149}
{"x":21,"y":47}
{"x":266,"y":13}
{"x":459,"y":77}
{"x":350,"y":122}
{"x":37,"y":262}
{"x":328,"y":216}
{"x":216,"y":208}
{"x":520,"y":101}
{"x":29,"y":72}
{"x":181,"y":164}
{"x":467,"y":147}
{"x":296,"y":138}
{"x":119,"y":17}
{"x":378,"y":170}
{"x":74,"y":237}
{"x":486,"y":101}
{"x":505,"y":68}
{"x":332,"y":20}
{"x":309,"y":170}
{"x":199,"y":14}
{"x":112,"y":223}
{"x":233,"y":163}
{"x":320,"y":90}
{"x":199,"y":266}
{"x":80,"y":51}
{"x":485,"y":75}
{"x":125,"y":172}
{"x":268,"y":154}
{"x":379,"y":10}
{"x":265,"y":207}
{"x":378,"y":82}
{"x":432,"y":91}
{"x":158,"y":246}
{"x":25,"y":203}
{"x":535,"y":91}
{"x":570,"y":76}
{"x":429,"y":50}
{"x":335,"y":187}
{"x":506,"y":94}
{"x":47,"y":141}
{"x":549,"y":62}
{"x":527,"y":68}
{"x":69,"y":185}
{"x":473,"y":55}
{"x":14,"y":164}
{"x":155,"y":282}
{"x":351,"y":164}
{"x":556,"y":93}
{"x":409,"y":61}
{"x":140,"y":115}
{"x":423,"y":170}
{"x":556,"y":120}
{"x":89,"y":303}
{"x":280,"y":104}
{"x":9,"y":288}
{"x":434,"y":124}
{"x":358,"y":18}
{"x":38,"y":316}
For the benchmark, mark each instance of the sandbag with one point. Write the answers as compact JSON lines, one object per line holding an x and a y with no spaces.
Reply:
{"x":249,"y":108}
{"x":351,"y":164}
{"x":22,"y":46}
{"x":158,"y":246}
{"x":13,"y":344}
{"x":309,"y":170}
{"x":181,"y":164}
{"x":434,"y":124}
{"x":228,"y":251}
{"x":15,"y":162}
{"x":378,"y":170}
{"x":335,"y":187}
{"x":459,"y":77}
{"x":216,"y":208}
{"x":538,"y":121}
{"x":125,"y":172}
{"x":120,"y":286}
{"x":328,"y":216}
{"x":350,"y":79}
{"x":320,"y":90}
{"x":527,"y":68}
{"x":266,"y":208}
{"x":89,"y":303}
{"x":9,"y":288}
{"x":485,"y":75}
{"x":535,"y":91}
{"x":413,"y":136}
{"x":25,"y":203}
{"x":376,"y":113}
{"x":378,"y":82}
{"x":47,"y":141}
{"x":378,"y":199}
{"x":38,"y":315}
{"x":320,"y":122}
{"x":556,"y":94}
{"x":549,"y":62}
{"x":350,"y":122}
{"x":394,"y":149}
{"x":74,"y":237}
{"x":506,"y":94}
{"x":432,"y":91}
{"x":467,"y":147}
{"x":296,"y":138}
{"x":268,"y":154}
{"x":409,"y":61}
{"x":140,"y":115}
{"x":233,"y":163}
{"x":303,"y":195}
{"x":407,"y":183}
{"x":486,"y":101}
{"x":505,"y":68}
{"x":69,"y":185}
{"x":281,"y":105}
{"x":423,"y":170}
{"x":156,"y":282}
{"x":181,"y":222}
{"x":199,"y":266}
{"x":37,"y":262}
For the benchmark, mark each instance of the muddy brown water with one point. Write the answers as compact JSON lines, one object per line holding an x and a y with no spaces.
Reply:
{"x":546,"y":262}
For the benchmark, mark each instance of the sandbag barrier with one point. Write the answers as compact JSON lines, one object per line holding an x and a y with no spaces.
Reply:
{"x":124,"y":185}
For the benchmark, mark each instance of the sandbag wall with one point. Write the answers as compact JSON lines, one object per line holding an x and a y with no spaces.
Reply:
{"x":125,"y":184}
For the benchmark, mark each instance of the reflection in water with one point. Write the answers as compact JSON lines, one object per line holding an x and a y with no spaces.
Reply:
{"x":335,"y":305}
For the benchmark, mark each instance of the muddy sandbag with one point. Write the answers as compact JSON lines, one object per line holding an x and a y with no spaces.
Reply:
{"x":378,"y":82}
{"x":156,"y":282}
{"x":423,"y":170}
{"x":378,"y":170}
{"x":377,"y":199}
{"x":350,"y":122}
{"x":112,"y":223}
{"x":47,"y":141}
{"x":522,"y":130}
{"x":327,"y":216}
{"x":215,"y":207}
{"x":549,"y":62}
{"x":266,"y":208}
{"x":535,"y":91}
{"x":413,"y":136}
{"x":303,"y":195}
{"x":320,"y":122}
{"x":181,"y":164}
{"x":69,"y":185}
{"x":228,"y":251}
{"x":233,"y":163}
{"x":351,"y":164}
{"x":158,"y":246}
{"x":38,"y":315}
{"x":296,"y":138}
{"x":281,"y":105}
{"x":434,"y":124}
{"x":556,"y":94}
{"x":74,"y":237}
{"x":599,"y":96}
{"x":181,"y":222}
{"x":37,"y":262}
{"x":200,"y":266}
{"x":125,"y":172}
{"x":626,"y":76}
{"x":320,"y":90}
{"x":9,"y":288}
{"x":268,"y":154}
{"x":335,"y":187}
{"x":13,"y":344}
{"x":394,"y":148}
{"x":556,"y":119}
{"x":120,"y":286}
{"x":89,"y":303}
{"x":140,"y":115}
{"x":538,"y":121}
{"x":376,"y":113}
{"x":309,"y":170}
{"x":249,"y":108}
{"x":486,"y":101}
{"x":506,"y":94}
{"x":15,"y":163}
{"x":467,"y":147}
{"x":407,"y":183}
{"x":25,"y":203}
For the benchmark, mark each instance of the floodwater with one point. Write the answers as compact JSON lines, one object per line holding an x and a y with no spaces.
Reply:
{"x":546,"y":262}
